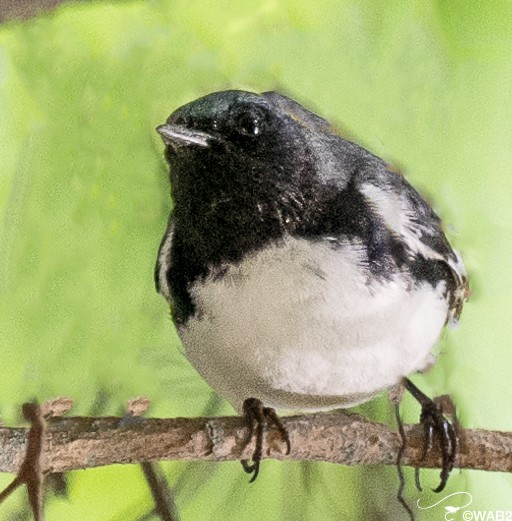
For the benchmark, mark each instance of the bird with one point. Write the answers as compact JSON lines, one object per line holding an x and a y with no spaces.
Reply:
{"x":303,"y":272}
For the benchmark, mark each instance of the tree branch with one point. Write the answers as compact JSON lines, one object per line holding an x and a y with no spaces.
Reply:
{"x":24,"y":9}
{"x":29,"y":472}
{"x":161,"y":492}
{"x":339,"y":437}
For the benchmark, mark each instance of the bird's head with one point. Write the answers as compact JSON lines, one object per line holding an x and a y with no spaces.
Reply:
{"x":243,"y":147}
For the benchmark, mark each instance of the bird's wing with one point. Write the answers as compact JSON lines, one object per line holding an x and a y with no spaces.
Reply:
{"x":406,"y":214}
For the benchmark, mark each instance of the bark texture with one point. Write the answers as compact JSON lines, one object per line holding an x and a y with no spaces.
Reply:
{"x":339,"y":437}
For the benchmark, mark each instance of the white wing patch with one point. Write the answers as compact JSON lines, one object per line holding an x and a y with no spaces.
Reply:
{"x":164,"y":263}
{"x":399,"y":217}
{"x":397,"y":214}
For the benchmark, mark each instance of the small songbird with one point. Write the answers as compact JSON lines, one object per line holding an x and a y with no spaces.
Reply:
{"x":303,"y":273}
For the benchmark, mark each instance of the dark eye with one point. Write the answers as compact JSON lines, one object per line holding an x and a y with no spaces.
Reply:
{"x":249,"y":122}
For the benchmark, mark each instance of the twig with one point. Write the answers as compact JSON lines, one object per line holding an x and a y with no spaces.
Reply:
{"x":339,"y":437}
{"x":23,"y":9}
{"x":29,"y":472}
{"x":162,"y":494}
{"x":160,"y":490}
{"x":401,"y":450}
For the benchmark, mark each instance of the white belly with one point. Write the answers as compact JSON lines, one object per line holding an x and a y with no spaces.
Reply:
{"x":298,"y":327}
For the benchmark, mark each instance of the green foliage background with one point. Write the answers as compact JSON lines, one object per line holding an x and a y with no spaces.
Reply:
{"x":84,"y":202}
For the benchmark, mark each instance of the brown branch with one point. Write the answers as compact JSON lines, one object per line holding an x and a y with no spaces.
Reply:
{"x":29,"y":472}
{"x":339,"y":437}
{"x":161,"y":492}
{"x":24,"y":9}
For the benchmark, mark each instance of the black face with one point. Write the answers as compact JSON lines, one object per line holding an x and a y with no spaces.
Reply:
{"x":236,"y":157}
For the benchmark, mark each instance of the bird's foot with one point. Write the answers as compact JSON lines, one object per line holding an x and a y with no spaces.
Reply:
{"x":258,"y":418}
{"x":435,"y":424}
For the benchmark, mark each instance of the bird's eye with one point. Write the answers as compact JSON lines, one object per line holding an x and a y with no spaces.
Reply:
{"x":249,"y":122}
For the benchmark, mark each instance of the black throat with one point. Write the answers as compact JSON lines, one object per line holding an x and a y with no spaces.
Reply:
{"x":209,"y":237}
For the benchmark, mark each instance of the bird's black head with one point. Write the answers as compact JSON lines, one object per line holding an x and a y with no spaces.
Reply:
{"x":238,"y":156}
{"x":245,"y":168}
{"x":230,"y":126}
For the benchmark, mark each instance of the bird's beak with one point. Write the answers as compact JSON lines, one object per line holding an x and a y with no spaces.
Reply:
{"x":176,"y":135}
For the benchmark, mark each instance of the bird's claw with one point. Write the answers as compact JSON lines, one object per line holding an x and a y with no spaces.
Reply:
{"x":435,"y":424}
{"x":257,"y":418}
